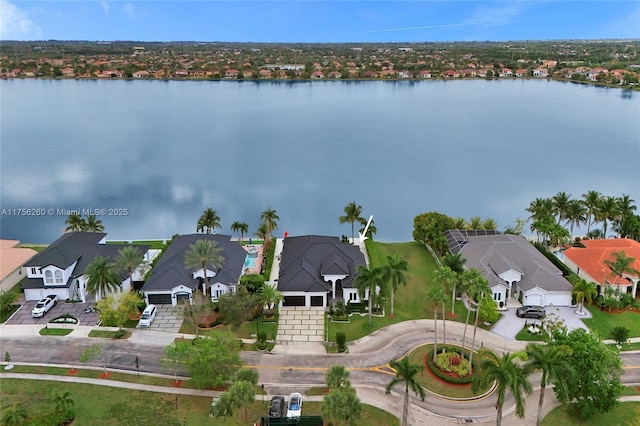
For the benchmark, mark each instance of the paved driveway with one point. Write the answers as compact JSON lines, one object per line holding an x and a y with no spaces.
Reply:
{"x":298,"y":324}
{"x":23,"y":314}
{"x":509,"y":325}
{"x":166,"y":319}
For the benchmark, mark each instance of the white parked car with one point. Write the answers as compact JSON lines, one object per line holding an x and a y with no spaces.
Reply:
{"x":295,"y":406}
{"x":148,"y":315}
{"x":44,"y":305}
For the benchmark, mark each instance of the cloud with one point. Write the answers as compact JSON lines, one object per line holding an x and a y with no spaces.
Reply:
{"x":16,"y":24}
{"x":105,"y":6}
{"x":128,"y":10}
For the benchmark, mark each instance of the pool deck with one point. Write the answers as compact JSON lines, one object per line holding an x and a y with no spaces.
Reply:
{"x":254,"y":269}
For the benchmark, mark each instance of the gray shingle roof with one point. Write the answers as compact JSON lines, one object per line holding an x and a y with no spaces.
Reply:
{"x":170,"y":271}
{"x":494,"y":254}
{"x":305,"y":259}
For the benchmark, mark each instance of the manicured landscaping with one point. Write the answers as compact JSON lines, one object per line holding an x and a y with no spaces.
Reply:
{"x":154,"y":244}
{"x":604,"y":322}
{"x":55,"y":331}
{"x":103,"y":406}
{"x":117,"y":334}
{"x":6,"y":313}
{"x":626,"y":413}
{"x":527,"y":336}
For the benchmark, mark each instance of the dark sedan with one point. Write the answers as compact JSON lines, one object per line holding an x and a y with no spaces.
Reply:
{"x":276,"y":407}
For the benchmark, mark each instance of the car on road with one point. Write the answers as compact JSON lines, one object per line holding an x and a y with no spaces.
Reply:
{"x":148,"y":315}
{"x":44,"y":305}
{"x":295,"y":406}
{"x":536,"y":312}
{"x":277,"y":406}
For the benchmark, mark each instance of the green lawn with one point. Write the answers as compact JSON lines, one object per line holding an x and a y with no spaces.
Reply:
{"x":154,"y":244}
{"x":103,"y":406}
{"x":410,"y":300}
{"x":625,"y":414}
{"x":604,"y":322}
{"x":55,"y":331}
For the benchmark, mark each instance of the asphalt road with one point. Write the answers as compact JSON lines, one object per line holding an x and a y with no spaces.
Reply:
{"x":281,"y":373}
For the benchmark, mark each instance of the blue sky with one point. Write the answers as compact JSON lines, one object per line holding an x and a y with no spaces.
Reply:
{"x":318,"y":21}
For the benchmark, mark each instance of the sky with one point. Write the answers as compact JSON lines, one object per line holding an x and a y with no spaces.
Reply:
{"x":318,"y":21}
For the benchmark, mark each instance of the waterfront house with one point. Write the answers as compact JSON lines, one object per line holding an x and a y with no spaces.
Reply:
{"x":517,"y":272}
{"x":315,"y":270}
{"x":141,"y":74}
{"x":171,"y":282}
{"x":541,"y":72}
{"x":60,"y":268}
{"x":522,"y":72}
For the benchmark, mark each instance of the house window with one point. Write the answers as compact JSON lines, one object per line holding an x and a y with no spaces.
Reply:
{"x":34,"y":271}
{"x":59,"y":277}
{"x":352,"y":297}
{"x":497,"y":296}
{"x":48,"y":277}
{"x":232,"y":290}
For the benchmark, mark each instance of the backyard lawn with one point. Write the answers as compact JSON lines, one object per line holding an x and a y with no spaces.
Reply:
{"x":625,"y":414}
{"x":604,"y":322}
{"x":105,"y":406}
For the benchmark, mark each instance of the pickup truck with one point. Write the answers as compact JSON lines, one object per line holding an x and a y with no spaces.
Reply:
{"x":44,"y":305}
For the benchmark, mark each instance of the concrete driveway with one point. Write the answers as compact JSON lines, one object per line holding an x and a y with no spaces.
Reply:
{"x":23,"y":314}
{"x":166,"y":320}
{"x":509,"y":325}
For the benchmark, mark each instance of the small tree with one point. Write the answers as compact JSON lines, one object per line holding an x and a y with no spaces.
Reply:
{"x":341,"y":406}
{"x":488,"y":310}
{"x":15,"y":415}
{"x":112,"y":311}
{"x":214,"y":359}
{"x":237,"y":308}
{"x":97,"y":350}
{"x":200,"y":307}
{"x":63,"y":402}
{"x":620,"y":334}
{"x":341,"y":340}
{"x":175,"y":356}
{"x":243,"y":395}
{"x":337,"y":378}
{"x":246,"y":375}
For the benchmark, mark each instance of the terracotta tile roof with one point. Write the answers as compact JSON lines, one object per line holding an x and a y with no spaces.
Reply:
{"x":591,"y":258}
{"x":12,"y":257}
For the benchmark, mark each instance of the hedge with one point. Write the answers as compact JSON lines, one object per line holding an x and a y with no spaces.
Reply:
{"x":444,"y":376}
{"x":57,"y":418}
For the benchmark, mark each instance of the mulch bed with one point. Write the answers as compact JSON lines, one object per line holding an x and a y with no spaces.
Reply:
{"x":105,"y":375}
{"x":72,"y":372}
{"x":177,"y":384}
{"x":441,"y":380}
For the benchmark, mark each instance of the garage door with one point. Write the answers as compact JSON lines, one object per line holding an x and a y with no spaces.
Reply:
{"x":160,"y":299}
{"x":534,"y":300}
{"x":317,"y":301}
{"x":293,"y":301}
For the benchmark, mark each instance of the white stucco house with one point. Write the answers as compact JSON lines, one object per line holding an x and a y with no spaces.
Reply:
{"x":516,"y":270}
{"x":315,"y":270}
{"x":60,"y":268}
{"x":171,"y":282}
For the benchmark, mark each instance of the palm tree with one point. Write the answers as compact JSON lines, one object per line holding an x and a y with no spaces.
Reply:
{"x":437,"y":295}
{"x":459,"y":223}
{"x":337,"y":378}
{"x":75,"y":223}
{"x":352,"y":213}
{"x":489,"y":224}
{"x":447,"y":279}
{"x":541,"y":209}
{"x":270,"y":218}
{"x":208,"y":221}
{"x":477,"y":287}
{"x":625,"y":210}
{"x":406,"y":373}
{"x":200,"y":254}
{"x":127,"y":260}
{"x":456,"y":263}
{"x":507,"y":374}
{"x":394,"y":271}
{"x":240,"y":228}
{"x":102,"y":277}
{"x":63,"y":402}
{"x":93,"y":224}
{"x":262,"y":233}
{"x":269,"y":296}
{"x":475,"y":223}
{"x":576,"y":214}
{"x":371,"y":281}
{"x":552,"y":361}
{"x":584,"y":291}
{"x":607,"y":211}
{"x":621,"y":264}
{"x":560,"y":205}
{"x":15,"y":415}
{"x":591,"y":200}
{"x":372,"y":228}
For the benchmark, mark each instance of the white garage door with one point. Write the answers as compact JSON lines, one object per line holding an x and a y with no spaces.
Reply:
{"x":533,"y":299}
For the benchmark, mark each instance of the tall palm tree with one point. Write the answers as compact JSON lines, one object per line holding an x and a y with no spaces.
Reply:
{"x":591,"y":200}
{"x":63,"y":402}
{"x":75,"y":223}
{"x":437,"y":295}
{"x":127,"y":260}
{"x":621,"y":264}
{"x":456,"y":263}
{"x":406,"y":374}
{"x":576,"y":214}
{"x":394,"y":272}
{"x":475,"y":223}
{"x":560,"y":205}
{"x":208,"y":221}
{"x":552,"y":361}
{"x":262,"y":232}
{"x":371,"y":231}
{"x":626,"y":209}
{"x":540,"y":209}
{"x":102,"y":277}
{"x":584,"y":291}
{"x":447,"y":279}
{"x":93,"y":224}
{"x":352,"y":213}
{"x":607,"y":211}
{"x":269,"y":296}
{"x":240,"y":228}
{"x":508,"y":374}
{"x":478,"y":288}
{"x":489,"y":224}
{"x":371,"y":281}
{"x":270,"y":218}
{"x":459,"y":223}
{"x":200,"y":254}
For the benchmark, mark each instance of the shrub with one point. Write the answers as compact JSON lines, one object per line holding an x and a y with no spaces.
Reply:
{"x":452,"y":362}
{"x":202,"y":325}
{"x":7,"y":357}
{"x":620,"y":334}
{"x":444,"y":376}
{"x":119,"y":334}
{"x":341,"y":340}
{"x":52,"y":419}
{"x":340,"y":309}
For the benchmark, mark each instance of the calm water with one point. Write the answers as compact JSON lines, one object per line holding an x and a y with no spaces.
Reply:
{"x":166,"y":150}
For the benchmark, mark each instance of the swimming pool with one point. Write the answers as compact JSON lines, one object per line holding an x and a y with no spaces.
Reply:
{"x":250,"y":261}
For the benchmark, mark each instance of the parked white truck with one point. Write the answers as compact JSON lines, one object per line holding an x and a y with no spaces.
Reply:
{"x":44,"y":305}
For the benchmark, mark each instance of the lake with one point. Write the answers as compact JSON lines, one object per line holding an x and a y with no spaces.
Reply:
{"x":166,"y":150}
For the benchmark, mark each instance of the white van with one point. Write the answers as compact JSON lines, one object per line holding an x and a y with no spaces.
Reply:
{"x":148,"y":315}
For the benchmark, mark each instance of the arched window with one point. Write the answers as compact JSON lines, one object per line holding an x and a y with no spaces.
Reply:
{"x":48,"y":277}
{"x":58,"y":275}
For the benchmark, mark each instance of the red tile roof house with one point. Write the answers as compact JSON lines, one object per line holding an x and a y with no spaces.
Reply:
{"x":317,"y":75}
{"x":541,"y":72}
{"x":425,"y":74}
{"x":335,"y":74}
{"x":141,"y":74}
{"x":522,"y":72}
{"x":506,"y":72}
{"x":231,"y":73}
{"x":450,"y":74}
{"x":60,"y":268}
{"x":11,"y":259}
{"x":588,"y":262}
